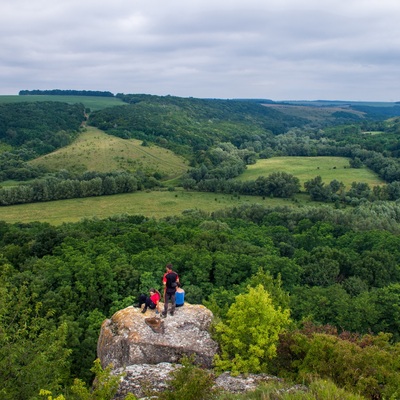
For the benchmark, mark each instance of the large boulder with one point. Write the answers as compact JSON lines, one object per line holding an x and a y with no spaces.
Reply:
{"x":131,"y":337}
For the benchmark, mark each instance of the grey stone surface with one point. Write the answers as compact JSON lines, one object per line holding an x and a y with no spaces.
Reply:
{"x":126,"y":339}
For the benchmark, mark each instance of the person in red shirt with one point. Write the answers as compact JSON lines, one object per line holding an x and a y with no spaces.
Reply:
{"x":170,"y":282}
{"x":151,"y":301}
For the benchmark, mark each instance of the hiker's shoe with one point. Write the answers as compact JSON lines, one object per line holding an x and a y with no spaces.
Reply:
{"x":171,"y":313}
{"x":144,"y":310}
{"x":164,"y":315}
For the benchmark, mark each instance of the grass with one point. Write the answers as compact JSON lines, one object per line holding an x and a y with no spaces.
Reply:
{"x":94,"y":150}
{"x":93,"y":102}
{"x":306,"y":168}
{"x":157,"y":205}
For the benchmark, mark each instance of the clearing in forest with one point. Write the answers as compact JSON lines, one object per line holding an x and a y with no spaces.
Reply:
{"x":306,"y":168}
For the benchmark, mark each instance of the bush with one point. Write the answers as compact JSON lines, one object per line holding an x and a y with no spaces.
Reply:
{"x":250,"y":334}
{"x":190,"y":383}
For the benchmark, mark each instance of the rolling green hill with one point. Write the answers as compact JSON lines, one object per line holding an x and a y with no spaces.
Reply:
{"x":187,"y":125}
{"x":94,"y":150}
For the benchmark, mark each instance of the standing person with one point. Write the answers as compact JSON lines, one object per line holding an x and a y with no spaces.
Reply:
{"x":170,"y":282}
{"x":151,"y":301}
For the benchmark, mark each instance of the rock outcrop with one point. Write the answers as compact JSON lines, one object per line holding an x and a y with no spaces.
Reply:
{"x":131,"y":338}
{"x":145,"y":349}
{"x":144,"y":380}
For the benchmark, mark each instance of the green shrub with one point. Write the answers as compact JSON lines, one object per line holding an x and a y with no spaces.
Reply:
{"x":190,"y":382}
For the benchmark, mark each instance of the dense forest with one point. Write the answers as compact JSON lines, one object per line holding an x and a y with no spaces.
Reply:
{"x":28,"y":130}
{"x":330,"y":267}
{"x":332,"y":273}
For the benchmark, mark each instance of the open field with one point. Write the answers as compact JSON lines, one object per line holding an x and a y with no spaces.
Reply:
{"x":92,"y":102}
{"x":94,"y":150}
{"x":306,"y":168}
{"x":150,"y":204}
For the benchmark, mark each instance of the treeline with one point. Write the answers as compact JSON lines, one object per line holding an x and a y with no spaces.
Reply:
{"x":277,"y":184}
{"x":358,"y":193}
{"x":87,"y":185}
{"x":59,"y":283}
{"x":67,"y":92}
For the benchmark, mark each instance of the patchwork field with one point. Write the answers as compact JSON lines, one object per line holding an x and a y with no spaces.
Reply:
{"x":94,"y":150}
{"x":306,"y":168}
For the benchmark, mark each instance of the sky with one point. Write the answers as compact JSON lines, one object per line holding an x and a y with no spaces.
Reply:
{"x":270,"y":49}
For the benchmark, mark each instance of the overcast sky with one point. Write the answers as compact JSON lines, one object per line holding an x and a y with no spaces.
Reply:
{"x":274,"y":49}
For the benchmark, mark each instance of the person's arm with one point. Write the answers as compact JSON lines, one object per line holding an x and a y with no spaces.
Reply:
{"x":165,"y":285}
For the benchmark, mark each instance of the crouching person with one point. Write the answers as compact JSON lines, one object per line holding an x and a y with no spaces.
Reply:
{"x":151,"y":301}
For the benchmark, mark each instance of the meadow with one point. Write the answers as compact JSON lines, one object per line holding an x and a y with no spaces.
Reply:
{"x":306,"y":168}
{"x":155,"y":204}
{"x":92,"y":102}
{"x":94,"y":150}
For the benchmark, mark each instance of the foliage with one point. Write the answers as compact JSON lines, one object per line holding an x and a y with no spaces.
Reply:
{"x":250,"y":333}
{"x":184,"y":125}
{"x":36,"y":124}
{"x":326,"y":265}
{"x":105,"y":386}
{"x":33,"y":351}
{"x":32,"y":129}
{"x":189,"y":383}
{"x":86,"y":185}
{"x":318,"y":389}
{"x":360,"y":364}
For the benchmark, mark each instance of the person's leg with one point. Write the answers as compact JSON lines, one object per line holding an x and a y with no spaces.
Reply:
{"x":166,"y":299}
{"x":173,"y":305}
{"x":147,"y":303}
{"x":142,"y":299}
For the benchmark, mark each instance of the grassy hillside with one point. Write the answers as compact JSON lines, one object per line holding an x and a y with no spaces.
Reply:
{"x":92,"y":102}
{"x":306,"y":168}
{"x":94,"y":150}
{"x":157,"y":204}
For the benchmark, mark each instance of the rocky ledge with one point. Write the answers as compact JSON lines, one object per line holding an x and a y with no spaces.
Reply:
{"x":130,"y":337}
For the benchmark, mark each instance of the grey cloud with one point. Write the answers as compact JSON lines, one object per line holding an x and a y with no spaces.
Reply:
{"x":275,"y":49}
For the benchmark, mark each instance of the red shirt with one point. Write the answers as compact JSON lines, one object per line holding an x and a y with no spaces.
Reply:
{"x":155,"y":298}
